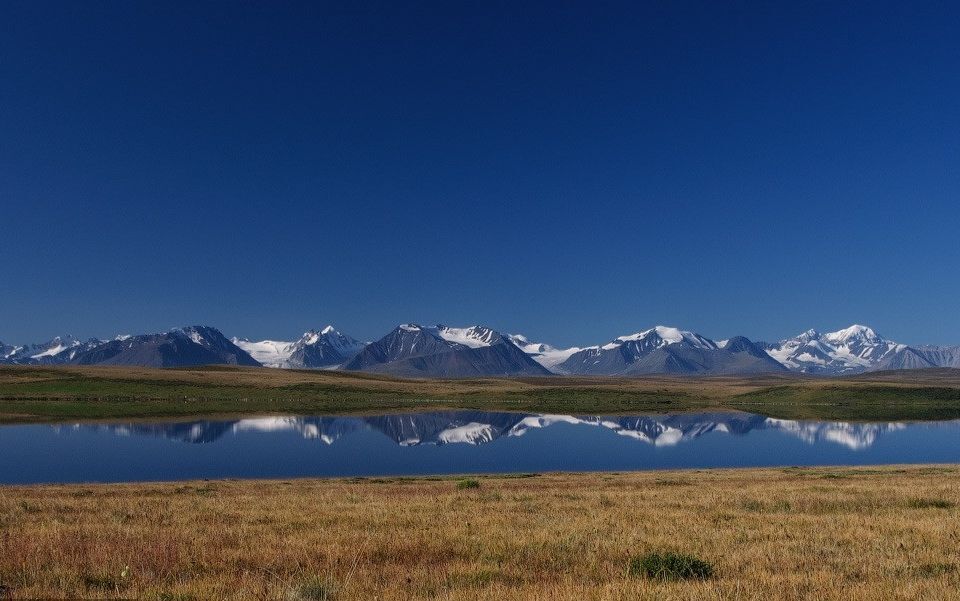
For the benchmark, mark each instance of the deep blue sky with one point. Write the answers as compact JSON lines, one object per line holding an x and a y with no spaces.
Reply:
{"x":567,"y":171}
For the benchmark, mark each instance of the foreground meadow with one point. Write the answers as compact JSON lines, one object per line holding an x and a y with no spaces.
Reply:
{"x":838,"y":533}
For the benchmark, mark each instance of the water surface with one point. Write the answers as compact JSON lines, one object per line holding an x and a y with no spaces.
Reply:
{"x":451,"y":442}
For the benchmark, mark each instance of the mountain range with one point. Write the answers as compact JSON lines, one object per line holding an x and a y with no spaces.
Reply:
{"x":412,"y":350}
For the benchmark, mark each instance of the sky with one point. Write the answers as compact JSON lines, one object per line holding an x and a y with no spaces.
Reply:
{"x":571,"y":171}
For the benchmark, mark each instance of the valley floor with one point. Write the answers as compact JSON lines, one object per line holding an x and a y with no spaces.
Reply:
{"x":32,"y":394}
{"x":834,"y":533}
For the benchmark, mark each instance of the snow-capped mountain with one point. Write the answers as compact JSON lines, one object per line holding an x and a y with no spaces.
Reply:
{"x":180,"y":347}
{"x":59,"y":350}
{"x":668,"y":350}
{"x":850,"y":350}
{"x":327,"y":348}
{"x":442,"y":351}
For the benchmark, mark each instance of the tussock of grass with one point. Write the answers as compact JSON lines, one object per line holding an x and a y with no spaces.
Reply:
{"x":934,"y":570}
{"x":103,"y":582}
{"x":317,"y":588}
{"x":674,"y":482}
{"x":670,"y":566}
{"x":930,"y":504}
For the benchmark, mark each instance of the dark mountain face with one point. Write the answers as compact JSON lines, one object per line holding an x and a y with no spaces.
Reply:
{"x":906,"y":358}
{"x":191,"y":346}
{"x":940,"y":356}
{"x":411,"y":350}
{"x":327,"y":348}
{"x":664,"y":350}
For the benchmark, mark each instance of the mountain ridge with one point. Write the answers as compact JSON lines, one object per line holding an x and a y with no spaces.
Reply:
{"x":412,"y":350}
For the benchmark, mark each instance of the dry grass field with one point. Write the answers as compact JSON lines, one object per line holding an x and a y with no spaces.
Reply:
{"x":844,"y":533}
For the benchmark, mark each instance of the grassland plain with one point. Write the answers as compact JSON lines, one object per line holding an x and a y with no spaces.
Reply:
{"x":823,"y":533}
{"x":53,"y":393}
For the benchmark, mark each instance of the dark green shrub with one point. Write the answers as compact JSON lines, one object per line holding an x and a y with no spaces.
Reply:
{"x":468,"y":483}
{"x":670,"y":566}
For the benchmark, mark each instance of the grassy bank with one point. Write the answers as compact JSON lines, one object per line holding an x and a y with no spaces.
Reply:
{"x":44,"y":393}
{"x":848,"y":533}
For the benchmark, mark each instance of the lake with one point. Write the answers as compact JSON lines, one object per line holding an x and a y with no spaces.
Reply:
{"x":453,"y":442}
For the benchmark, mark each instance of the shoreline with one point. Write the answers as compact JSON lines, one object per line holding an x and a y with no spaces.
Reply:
{"x":853,"y":469}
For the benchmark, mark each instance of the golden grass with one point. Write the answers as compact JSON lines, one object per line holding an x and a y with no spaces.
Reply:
{"x":275,"y":378}
{"x":845,"y":533}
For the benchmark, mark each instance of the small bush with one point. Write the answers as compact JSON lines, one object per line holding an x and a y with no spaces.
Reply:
{"x":930,"y":504}
{"x":468,"y":483}
{"x":313,"y":589}
{"x":670,"y":566}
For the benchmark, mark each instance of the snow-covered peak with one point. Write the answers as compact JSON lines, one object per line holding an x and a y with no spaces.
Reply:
{"x":660,"y":336}
{"x":853,"y":349}
{"x":410,"y":327}
{"x":855,"y":332}
{"x":329,"y":330}
{"x":56,"y":346}
{"x":473,"y":336}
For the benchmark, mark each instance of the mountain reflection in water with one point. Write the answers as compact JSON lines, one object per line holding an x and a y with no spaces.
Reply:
{"x":481,"y":427}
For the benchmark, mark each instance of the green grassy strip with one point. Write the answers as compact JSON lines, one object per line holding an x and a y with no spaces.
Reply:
{"x":78,"y":397}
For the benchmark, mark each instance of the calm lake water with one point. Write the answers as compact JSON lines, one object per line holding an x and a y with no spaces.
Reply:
{"x":450,"y":442}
